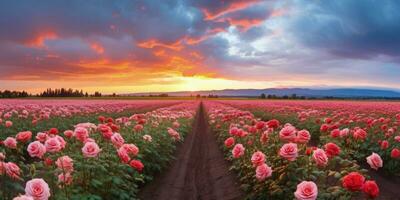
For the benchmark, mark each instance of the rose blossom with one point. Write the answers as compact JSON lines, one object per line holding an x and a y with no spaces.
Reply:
{"x":42,"y":137}
{"x":371,"y":189}
{"x":90,"y":150}
{"x":288,"y":133}
{"x":306,"y":190}
{"x":147,"y":138}
{"x":258,"y":158}
{"x":53,"y":145}
{"x":374,"y":161}
{"x":137,"y":164}
{"x":131,"y":149}
{"x":353,"y":181}
{"x":24,"y":136}
{"x":263,"y":171}
{"x":289,"y":151}
{"x":69,"y":133}
{"x":344,"y":132}
{"x":331,"y":149}
{"x":360,"y":134}
{"x":395,"y":153}
{"x":123,"y":155}
{"x":23,"y":197}
{"x":81,"y":133}
{"x":10,"y":142}
{"x":8,"y":124}
{"x":65,"y":163}
{"x":229,"y":142}
{"x":12,"y":170}
{"x":238,"y":150}
{"x":320,"y":158}
{"x":38,"y":189}
{"x":117,"y":140}
{"x":36,"y":149}
{"x":303,"y":136}
{"x":65,"y":178}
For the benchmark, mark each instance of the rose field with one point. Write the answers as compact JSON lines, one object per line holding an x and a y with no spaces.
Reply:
{"x":199,"y":149}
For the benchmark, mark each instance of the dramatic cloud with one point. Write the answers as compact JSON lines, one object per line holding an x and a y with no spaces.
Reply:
{"x":168,"y":45}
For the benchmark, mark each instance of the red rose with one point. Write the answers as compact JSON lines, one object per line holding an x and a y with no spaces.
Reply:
{"x":332,"y":149}
{"x":353,"y":181}
{"x":101,"y":119}
{"x":53,"y":131}
{"x":136,"y":164}
{"x":384,"y":144}
{"x":395,"y":153}
{"x":273,"y":123}
{"x":260,"y":125}
{"x":229,"y":142}
{"x":371,"y":189}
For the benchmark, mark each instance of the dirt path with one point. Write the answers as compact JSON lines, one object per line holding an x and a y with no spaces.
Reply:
{"x":198,"y":172}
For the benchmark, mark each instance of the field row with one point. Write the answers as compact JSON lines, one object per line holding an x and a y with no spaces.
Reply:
{"x":306,"y":149}
{"x":87,"y":150}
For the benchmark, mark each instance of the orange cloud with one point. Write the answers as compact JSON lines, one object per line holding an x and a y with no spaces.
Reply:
{"x":234,"y":6}
{"x":153,"y":43}
{"x":245,"y":24}
{"x":39,"y":40}
{"x":98,"y":48}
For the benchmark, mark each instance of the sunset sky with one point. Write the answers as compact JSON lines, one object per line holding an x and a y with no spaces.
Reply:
{"x":169,"y":45}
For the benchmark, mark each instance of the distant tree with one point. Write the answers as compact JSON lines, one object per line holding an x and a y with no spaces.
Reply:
{"x":262,"y":96}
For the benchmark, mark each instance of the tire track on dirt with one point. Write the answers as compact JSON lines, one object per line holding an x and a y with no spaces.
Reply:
{"x":198,"y":172}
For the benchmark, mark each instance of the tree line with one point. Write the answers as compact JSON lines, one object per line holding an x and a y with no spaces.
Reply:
{"x":61,"y":92}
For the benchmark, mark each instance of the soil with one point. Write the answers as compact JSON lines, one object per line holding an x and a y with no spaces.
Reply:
{"x":199,"y":171}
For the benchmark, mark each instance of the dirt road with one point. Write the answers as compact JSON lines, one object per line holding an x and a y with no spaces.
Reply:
{"x":198,"y":172}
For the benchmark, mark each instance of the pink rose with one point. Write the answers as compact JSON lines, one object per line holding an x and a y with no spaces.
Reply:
{"x":117,"y":140}
{"x":24,"y":136}
{"x":53,"y":145}
{"x":65,"y":178}
{"x":131,"y":149}
{"x":65,"y":163}
{"x":289,"y":151}
{"x":360,"y":134}
{"x":319,"y":156}
{"x":344,"y":132}
{"x":36,"y":149}
{"x":38,"y":189}
{"x":288,"y":133}
{"x":42,"y":137}
{"x":238,"y":150}
{"x":81,"y":133}
{"x":375,"y":161}
{"x":10,"y":142}
{"x":258,"y":158}
{"x":138,"y":127}
{"x":263,"y":171}
{"x":69,"y":133}
{"x":306,"y":190}
{"x":12,"y":170}
{"x":147,"y":138}
{"x":23,"y":197}
{"x":123,"y":155}
{"x":8,"y":124}
{"x":303,"y":136}
{"x":61,"y":140}
{"x":90,"y":150}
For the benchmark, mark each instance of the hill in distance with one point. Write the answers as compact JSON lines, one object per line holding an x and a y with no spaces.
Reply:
{"x":306,"y":92}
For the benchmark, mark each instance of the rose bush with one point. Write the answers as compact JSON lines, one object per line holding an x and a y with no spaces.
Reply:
{"x":102,"y":158}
